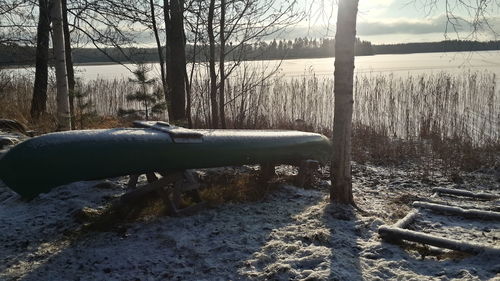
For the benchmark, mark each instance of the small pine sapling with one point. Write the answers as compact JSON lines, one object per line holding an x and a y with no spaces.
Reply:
{"x":151,"y":101}
{"x":83,"y":104}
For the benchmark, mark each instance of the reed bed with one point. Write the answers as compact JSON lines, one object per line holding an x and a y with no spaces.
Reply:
{"x":442,"y":108}
{"x":465,"y":105}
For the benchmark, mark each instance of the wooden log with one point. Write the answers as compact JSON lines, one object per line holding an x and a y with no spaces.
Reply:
{"x":151,"y":177}
{"x":147,"y":190}
{"x":466,"y":193}
{"x":267,"y":171}
{"x":468,"y":213}
{"x":307,"y":171}
{"x":395,"y":233}
{"x":132,"y":181}
{"x":169,"y":188}
{"x":409,"y":218}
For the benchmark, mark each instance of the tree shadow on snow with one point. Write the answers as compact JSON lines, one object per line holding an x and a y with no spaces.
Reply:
{"x":342,"y":222}
{"x":318,"y":243}
{"x":427,"y":263}
{"x":212,"y":244}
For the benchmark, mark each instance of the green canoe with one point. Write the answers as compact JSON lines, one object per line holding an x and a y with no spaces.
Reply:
{"x":41,"y":163}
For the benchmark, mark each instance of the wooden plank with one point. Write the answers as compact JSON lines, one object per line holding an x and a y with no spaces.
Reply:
{"x":396,"y":233}
{"x":467,"y":213}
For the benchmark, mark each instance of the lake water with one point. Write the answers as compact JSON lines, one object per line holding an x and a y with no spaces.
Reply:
{"x":397,"y":64}
{"x":293,"y":101}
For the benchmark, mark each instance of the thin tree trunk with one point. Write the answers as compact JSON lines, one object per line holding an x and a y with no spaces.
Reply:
{"x":159,"y":48}
{"x":221,"y":64}
{"x":211,"y":62}
{"x":341,"y":190}
{"x":168,"y":74}
{"x":69,"y":62}
{"x":39,"y":101}
{"x":188,"y":100}
{"x":63,"y":114}
{"x":190,"y":80}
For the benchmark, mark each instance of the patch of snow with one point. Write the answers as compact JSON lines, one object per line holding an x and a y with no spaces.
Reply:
{"x":293,"y":234}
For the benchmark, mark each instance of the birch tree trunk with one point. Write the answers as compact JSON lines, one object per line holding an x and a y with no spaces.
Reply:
{"x":39,"y":101}
{"x":221,"y":64}
{"x":341,"y":190}
{"x":168,"y":74}
{"x":211,"y":63}
{"x":69,"y":62}
{"x":63,"y":112}
{"x":159,"y":49}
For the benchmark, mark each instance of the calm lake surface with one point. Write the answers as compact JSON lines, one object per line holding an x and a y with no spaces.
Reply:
{"x":406,"y":64}
{"x":473,"y":107}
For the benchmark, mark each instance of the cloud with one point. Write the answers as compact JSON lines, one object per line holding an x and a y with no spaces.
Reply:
{"x":417,"y":26}
{"x":374,"y":7}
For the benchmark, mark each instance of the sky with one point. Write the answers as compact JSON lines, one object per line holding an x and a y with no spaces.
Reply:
{"x":395,"y":21}
{"x":384,"y":21}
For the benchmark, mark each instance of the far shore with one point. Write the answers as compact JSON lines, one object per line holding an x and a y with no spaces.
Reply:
{"x":12,"y":66}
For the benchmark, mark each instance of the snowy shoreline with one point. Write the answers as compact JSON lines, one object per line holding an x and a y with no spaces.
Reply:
{"x":292,"y":234}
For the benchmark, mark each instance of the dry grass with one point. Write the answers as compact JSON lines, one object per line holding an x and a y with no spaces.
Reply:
{"x":219,"y":187}
{"x":233,"y":186}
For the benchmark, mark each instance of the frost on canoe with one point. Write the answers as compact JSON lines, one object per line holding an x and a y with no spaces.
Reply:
{"x":60,"y":158}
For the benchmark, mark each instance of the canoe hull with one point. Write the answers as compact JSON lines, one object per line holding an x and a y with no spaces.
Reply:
{"x":39,"y":164}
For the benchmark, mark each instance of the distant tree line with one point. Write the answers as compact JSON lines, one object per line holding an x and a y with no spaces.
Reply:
{"x":443,"y":46}
{"x":12,"y":54}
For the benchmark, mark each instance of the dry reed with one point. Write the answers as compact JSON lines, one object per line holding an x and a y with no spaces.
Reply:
{"x":455,"y":115}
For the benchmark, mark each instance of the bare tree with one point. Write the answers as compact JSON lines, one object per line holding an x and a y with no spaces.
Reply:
{"x":341,"y":190}
{"x":63,"y":112}
{"x":176,"y":66}
{"x":18,"y":21}
{"x":39,"y":101}
{"x":221,"y":63}
{"x":211,"y":62}
{"x":240,"y":22}
{"x":476,"y":17}
{"x":195,"y":8}
{"x":107,"y":25}
{"x":154,"y":27}
{"x":467,"y":17}
{"x":69,"y":61}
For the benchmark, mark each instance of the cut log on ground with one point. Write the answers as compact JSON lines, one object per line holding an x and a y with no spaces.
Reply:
{"x":409,"y":218}
{"x":467,"y":213}
{"x":465,"y":193}
{"x":394,"y":233}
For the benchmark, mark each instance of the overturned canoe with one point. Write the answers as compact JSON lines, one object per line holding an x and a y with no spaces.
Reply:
{"x":41,"y":163}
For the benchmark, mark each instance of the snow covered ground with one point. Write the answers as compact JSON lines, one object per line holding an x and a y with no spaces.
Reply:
{"x":292,"y":234}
